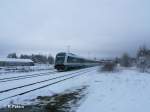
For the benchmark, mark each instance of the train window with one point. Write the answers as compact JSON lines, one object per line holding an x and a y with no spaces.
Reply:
{"x":72,"y":60}
{"x":81,"y":60}
{"x":75,"y":60}
{"x":61,"y":54}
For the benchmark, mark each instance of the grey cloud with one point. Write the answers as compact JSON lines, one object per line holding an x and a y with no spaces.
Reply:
{"x":102,"y":27}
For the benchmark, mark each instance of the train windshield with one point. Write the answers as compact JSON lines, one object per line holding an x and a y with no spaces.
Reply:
{"x":60,"y":59}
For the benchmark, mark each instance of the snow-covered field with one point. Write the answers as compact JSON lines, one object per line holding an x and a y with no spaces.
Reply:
{"x":124,"y":91}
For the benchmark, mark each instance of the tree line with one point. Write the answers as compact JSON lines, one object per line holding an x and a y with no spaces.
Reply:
{"x":141,"y":60}
{"x":36,"y":58}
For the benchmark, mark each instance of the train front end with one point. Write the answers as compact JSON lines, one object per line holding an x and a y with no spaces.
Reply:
{"x":59,"y":61}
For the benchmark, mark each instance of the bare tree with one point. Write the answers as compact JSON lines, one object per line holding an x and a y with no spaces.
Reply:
{"x":143,"y":58}
{"x":125,"y":60}
{"x":50,"y":59}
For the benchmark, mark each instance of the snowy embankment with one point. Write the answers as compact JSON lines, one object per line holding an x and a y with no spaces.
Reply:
{"x":124,"y":91}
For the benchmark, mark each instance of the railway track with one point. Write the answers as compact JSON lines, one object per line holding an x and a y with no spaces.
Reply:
{"x":55,"y":79}
{"x":26,"y":76}
{"x":35,"y":83}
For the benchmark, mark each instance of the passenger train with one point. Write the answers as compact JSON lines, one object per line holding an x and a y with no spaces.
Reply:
{"x":66,"y":61}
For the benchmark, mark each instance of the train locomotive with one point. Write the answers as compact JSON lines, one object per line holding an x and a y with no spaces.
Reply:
{"x":66,"y":61}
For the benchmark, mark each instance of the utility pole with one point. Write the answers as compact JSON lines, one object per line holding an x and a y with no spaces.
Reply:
{"x":68,"y":49}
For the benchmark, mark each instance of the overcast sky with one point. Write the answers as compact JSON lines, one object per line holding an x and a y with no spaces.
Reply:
{"x":98,"y":27}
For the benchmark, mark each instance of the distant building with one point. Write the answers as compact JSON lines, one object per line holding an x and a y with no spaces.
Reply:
{"x":15,"y":62}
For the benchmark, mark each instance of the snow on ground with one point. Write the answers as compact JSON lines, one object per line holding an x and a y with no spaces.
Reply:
{"x":57,"y":88}
{"x":125,"y":91}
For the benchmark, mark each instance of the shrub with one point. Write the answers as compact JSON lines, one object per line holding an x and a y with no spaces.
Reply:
{"x":108,"y":66}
